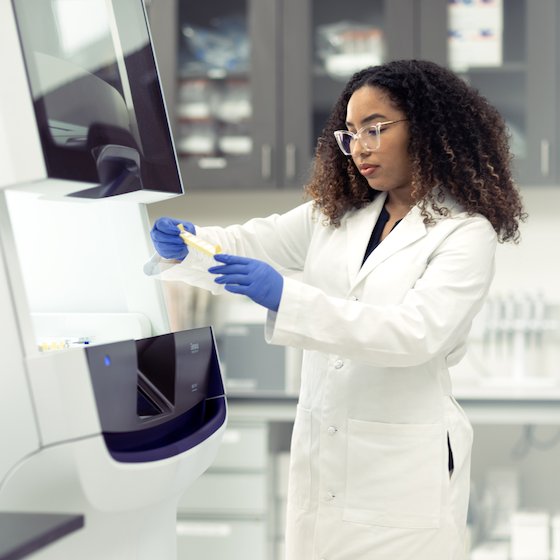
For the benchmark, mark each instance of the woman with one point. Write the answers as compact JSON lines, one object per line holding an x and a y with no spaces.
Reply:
{"x":411,"y":191}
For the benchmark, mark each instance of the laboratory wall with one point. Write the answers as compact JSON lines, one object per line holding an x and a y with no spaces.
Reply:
{"x":534,"y":263}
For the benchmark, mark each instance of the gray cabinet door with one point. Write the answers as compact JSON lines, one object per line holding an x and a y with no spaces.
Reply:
{"x":295,"y":147}
{"x":541,"y":82}
{"x":417,"y":29}
{"x":313,"y":77}
{"x":219,"y":66}
{"x":524,"y":88}
{"x":325,"y":41}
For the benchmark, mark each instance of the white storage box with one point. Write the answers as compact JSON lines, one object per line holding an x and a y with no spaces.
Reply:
{"x":244,"y":447}
{"x":225,"y":494}
{"x":213,"y":539}
{"x":491,"y":551}
{"x":555,"y":535}
{"x":530,"y":535}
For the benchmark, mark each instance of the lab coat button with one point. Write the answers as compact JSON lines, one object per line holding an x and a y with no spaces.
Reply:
{"x":338,"y":364}
{"x":331,"y":431}
{"x":328,"y":496}
{"x":353,"y":298}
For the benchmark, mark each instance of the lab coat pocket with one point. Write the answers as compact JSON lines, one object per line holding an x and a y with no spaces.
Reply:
{"x":394,"y":474}
{"x":299,"y":488}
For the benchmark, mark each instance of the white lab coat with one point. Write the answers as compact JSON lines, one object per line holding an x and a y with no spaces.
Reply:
{"x":369,"y":473}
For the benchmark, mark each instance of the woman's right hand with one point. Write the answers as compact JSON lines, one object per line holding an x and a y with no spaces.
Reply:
{"x":165,"y":235}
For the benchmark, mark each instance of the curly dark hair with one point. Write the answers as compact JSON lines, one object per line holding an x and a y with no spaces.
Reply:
{"x":457,"y":140}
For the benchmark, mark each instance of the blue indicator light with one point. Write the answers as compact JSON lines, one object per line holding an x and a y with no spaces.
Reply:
{"x":107,"y":361}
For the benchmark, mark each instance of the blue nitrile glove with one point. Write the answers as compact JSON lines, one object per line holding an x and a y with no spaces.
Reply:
{"x":250,"y":277}
{"x":165,"y":235}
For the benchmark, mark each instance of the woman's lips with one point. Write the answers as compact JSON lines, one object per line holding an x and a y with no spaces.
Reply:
{"x":367,"y":169}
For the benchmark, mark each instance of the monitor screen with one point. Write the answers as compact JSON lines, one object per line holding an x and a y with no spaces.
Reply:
{"x":97,"y":95}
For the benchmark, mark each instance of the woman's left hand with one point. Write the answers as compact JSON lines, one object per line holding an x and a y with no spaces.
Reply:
{"x":251,"y":278}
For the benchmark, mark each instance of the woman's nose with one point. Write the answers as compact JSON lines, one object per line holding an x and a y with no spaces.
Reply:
{"x":357,"y":147}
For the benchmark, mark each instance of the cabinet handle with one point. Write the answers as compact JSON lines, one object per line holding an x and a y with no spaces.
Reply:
{"x":545,"y":157}
{"x":266,"y":161}
{"x":290,"y":162}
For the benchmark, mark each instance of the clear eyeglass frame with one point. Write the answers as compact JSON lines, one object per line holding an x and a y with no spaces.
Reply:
{"x":369,"y":137}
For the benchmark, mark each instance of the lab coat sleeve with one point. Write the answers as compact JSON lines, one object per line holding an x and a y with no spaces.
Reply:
{"x":279,"y":240}
{"x":433,"y":319}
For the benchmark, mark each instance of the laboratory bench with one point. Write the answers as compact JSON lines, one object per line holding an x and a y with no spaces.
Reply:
{"x":242,"y":498}
{"x":482,"y":404}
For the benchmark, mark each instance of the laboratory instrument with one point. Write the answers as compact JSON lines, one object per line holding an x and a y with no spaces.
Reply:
{"x":105,"y":413}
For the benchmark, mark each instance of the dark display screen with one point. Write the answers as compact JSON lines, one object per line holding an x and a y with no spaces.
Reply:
{"x":97,"y":95}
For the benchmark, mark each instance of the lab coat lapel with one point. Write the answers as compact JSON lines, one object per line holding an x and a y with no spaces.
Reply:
{"x":359,"y":226}
{"x":410,"y":229}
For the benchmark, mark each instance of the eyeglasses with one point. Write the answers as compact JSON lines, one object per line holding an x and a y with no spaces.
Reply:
{"x":369,"y":136}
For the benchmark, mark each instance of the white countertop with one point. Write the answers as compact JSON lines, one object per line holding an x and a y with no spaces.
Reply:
{"x":483,"y":404}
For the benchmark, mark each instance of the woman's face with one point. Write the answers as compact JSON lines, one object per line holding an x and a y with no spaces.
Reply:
{"x":387,"y":168}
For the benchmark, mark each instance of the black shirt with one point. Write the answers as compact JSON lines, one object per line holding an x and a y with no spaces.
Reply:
{"x":374,"y":240}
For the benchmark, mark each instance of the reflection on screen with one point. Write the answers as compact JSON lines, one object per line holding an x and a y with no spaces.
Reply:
{"x":145,"y":406}
{"x":97,"y":95}
{"x":74,"y":37}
